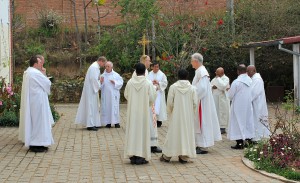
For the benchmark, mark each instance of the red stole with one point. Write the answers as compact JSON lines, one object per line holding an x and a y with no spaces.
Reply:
{"x":200,"y":114}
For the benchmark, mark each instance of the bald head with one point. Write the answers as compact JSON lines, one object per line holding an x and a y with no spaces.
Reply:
{"x":220,"y":72}
{"x":251,"y":70}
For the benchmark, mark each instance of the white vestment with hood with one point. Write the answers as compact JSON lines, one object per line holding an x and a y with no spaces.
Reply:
{"x":152,"y":119}
{"x":140,"y":94}
{"x":260,"y":108}
{"x":181,"y":105}
{"x":241,"y":113}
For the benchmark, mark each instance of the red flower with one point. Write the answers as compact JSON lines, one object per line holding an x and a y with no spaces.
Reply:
{"x":220,"y":22}
{"x":204,"y":49}
{"x":206,"y":2}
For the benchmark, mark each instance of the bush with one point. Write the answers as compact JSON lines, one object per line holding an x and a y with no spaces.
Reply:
{"x":55,"y":114}
{"x":9,"y":104}
{"x":10,"y":100}
{"x":49,"y":22}
{"x":9,"y":118}
{"x":281,"y":153}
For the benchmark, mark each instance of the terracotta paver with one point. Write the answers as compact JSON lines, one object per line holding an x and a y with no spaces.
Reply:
{"x":87,"y":156}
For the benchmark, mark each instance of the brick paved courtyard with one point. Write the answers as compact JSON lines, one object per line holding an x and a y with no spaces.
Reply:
{"x":79,"y":155}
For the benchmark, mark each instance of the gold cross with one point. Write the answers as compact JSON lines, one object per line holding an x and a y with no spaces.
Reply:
{"x":143,"y":42}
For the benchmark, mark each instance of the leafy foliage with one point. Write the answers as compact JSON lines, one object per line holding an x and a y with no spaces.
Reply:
{"x":120,"y":42}
{"x":9,"y":104}
{"x":49,"y":22}
{"x":281,"y":153}
{"x":9,"y":118}
{"x":10,"y":100}
{"x":55,"y":114}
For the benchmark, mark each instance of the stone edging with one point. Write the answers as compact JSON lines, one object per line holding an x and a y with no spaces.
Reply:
{"x":250,"y":165}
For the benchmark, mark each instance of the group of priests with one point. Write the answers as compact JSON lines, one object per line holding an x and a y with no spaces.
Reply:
{"x":197,"y":113}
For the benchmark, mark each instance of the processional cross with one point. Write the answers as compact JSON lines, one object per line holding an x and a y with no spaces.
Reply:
{"x":143,"y":42}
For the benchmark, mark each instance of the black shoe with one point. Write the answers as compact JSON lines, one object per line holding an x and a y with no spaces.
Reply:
{"x":97,"y":127}
{"x":156,"y":149}
{"x":200,"y":151}
{"x":239,"y":145}
{"x":108,"y":126}
{"x":132,"y":160}
{"x":140,"y":161}
{"x":159,"y":123}
{"x":222,"y":130}
{"x":182,"y":161}
{"x":92,"y":128}
{"x":45,"y":148}
{"x":37,"y":148}
{"x":117,"y":125}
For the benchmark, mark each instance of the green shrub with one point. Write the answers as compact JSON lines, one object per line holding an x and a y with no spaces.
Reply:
{"x":280,"y":154}
{"x":49,"y":22}
{"x":33,"y":48}
{"x":55,"y":114}
{"x":9,"y":118}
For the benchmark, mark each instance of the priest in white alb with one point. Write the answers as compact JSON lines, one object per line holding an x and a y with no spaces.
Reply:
{"x":207,"y":128}
{"x":36,"y":119}
{"x":21,"y":122}
{"x":140,"y":94}
{"x":259,"y":103}
{"x":88,"y":112}
{"x":111,"y":84}
{"x":220,"y":86}
{"x":159,"y":79}
{"x":181,"y":104}
{"x":145,"y":59}
{"x":241,"y":125}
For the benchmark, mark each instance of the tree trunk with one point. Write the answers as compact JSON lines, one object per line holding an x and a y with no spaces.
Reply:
{"x":230,"y":10}
{"x":85,"y":24}
{"x":153,"y":40}
{"x":77,"y":34}
{"x":98,"y":13}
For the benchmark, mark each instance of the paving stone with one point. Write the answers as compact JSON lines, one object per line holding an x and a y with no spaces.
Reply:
{"x":79,"y":155}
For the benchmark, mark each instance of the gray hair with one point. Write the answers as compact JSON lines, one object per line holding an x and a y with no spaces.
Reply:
{"x":198,"y":57}
{"x":111,"y":64}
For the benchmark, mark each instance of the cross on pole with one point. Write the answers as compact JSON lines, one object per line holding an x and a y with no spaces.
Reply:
{"x":143,"y":42}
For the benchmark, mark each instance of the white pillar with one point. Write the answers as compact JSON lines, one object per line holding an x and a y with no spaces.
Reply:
{"x":296,"y":68}
{"x":5,"y":40}
{"x":252,"y":59}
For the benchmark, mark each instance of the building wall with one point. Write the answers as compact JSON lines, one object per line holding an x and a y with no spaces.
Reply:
{"x":29,"y":9}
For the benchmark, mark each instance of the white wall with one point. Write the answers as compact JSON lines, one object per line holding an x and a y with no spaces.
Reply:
{"x":5,"y":40}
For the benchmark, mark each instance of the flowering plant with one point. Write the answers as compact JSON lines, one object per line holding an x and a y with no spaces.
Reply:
{"x":9,"y":104}
{"x":281,"y":153}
